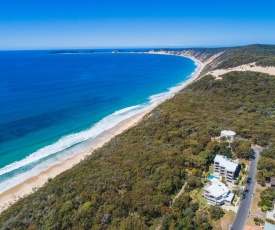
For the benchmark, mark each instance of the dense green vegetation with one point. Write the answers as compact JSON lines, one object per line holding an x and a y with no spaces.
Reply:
{"x":242,"y":148}
{"x":216,"y":212}
{"x":129,"y":183}
{"x":267,"y":197}
{"x":184,"y":215}
{"x":263,"y":55}
{"x":266,"y":165}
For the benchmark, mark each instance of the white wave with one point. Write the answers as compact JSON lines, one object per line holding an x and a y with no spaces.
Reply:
{"x":21,"y":176}
{"x":72,"y":139}
{"x":157,"y":98}
{"x":127,"y":109}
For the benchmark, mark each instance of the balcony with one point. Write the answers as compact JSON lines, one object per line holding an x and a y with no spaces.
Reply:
{"x":211,"y":199}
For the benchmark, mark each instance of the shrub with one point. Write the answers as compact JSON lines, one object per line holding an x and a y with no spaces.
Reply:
{"x":216,"y":212}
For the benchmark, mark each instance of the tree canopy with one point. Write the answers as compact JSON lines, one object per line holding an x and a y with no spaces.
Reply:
{"x":129,"y":182}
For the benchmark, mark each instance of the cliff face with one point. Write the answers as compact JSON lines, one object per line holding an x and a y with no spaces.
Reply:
{"x":208,"y":57}
{"x":224,"y":58}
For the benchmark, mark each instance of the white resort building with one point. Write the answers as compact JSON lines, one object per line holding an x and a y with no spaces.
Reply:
{"x":226,"y":167}
{"x":270,"y":215}
{"x":217,"y":193}
{"x":230,"y":135}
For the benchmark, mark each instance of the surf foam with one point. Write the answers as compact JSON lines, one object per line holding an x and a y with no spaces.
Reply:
{"x":68,"y":141}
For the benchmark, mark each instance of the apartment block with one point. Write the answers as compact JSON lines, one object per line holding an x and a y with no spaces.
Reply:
{"x":217,"y":193}
{"x":226,"y":167}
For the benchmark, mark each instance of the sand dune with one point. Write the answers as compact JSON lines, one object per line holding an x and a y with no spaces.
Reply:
{"x":248,"y":67}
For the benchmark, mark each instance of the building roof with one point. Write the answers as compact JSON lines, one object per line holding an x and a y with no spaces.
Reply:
{"x":272,"y":181}
{"x":269,"y":226}
{"x":271,"y":214}
{"x":229,"y":197}
{"x":230,"y":165}
{"x":215,"y":180}
{"x":228,"y":133}
{"x":217,"y":189}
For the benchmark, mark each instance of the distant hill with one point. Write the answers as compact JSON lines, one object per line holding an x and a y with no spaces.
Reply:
{"x":223,"y":58}
{"x":263,"y":55}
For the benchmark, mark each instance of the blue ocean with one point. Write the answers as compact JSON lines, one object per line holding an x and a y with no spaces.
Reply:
{"x":52,"y":105}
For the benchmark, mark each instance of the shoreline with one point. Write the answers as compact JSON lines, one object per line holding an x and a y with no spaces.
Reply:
{"x":30,"y":185}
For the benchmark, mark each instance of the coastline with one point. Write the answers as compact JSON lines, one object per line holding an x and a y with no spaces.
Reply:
{"x":28,"y":186}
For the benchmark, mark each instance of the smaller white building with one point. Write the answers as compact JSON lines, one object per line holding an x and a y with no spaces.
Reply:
{"x":230,"y":135}
{"x":226,"y":167}
{"x":271,"y":216}
{"x":218,"y":193}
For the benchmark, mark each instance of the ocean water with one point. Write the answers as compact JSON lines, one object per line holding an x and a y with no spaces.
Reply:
{"x":52,"y":105}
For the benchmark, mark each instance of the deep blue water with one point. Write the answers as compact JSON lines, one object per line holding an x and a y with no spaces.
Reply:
{"x":50,"y":102}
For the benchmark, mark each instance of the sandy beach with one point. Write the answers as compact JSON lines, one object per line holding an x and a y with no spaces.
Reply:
{"x":248,"y":67}
{"x":30,"y":185}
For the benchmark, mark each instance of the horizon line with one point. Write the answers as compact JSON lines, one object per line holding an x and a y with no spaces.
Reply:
{"x":131,"y":47}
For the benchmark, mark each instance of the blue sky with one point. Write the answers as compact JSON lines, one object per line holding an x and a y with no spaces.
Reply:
{"x":34,"y":24}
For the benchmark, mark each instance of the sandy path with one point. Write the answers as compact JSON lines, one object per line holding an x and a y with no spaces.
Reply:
{"x":249,"y":67}
{"x":180,"y":193}
{"x":29,"y":186}
{"x":173,"y":201}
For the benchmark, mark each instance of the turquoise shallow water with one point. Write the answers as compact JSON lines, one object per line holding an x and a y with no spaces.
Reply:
{"x":53,"y":105}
